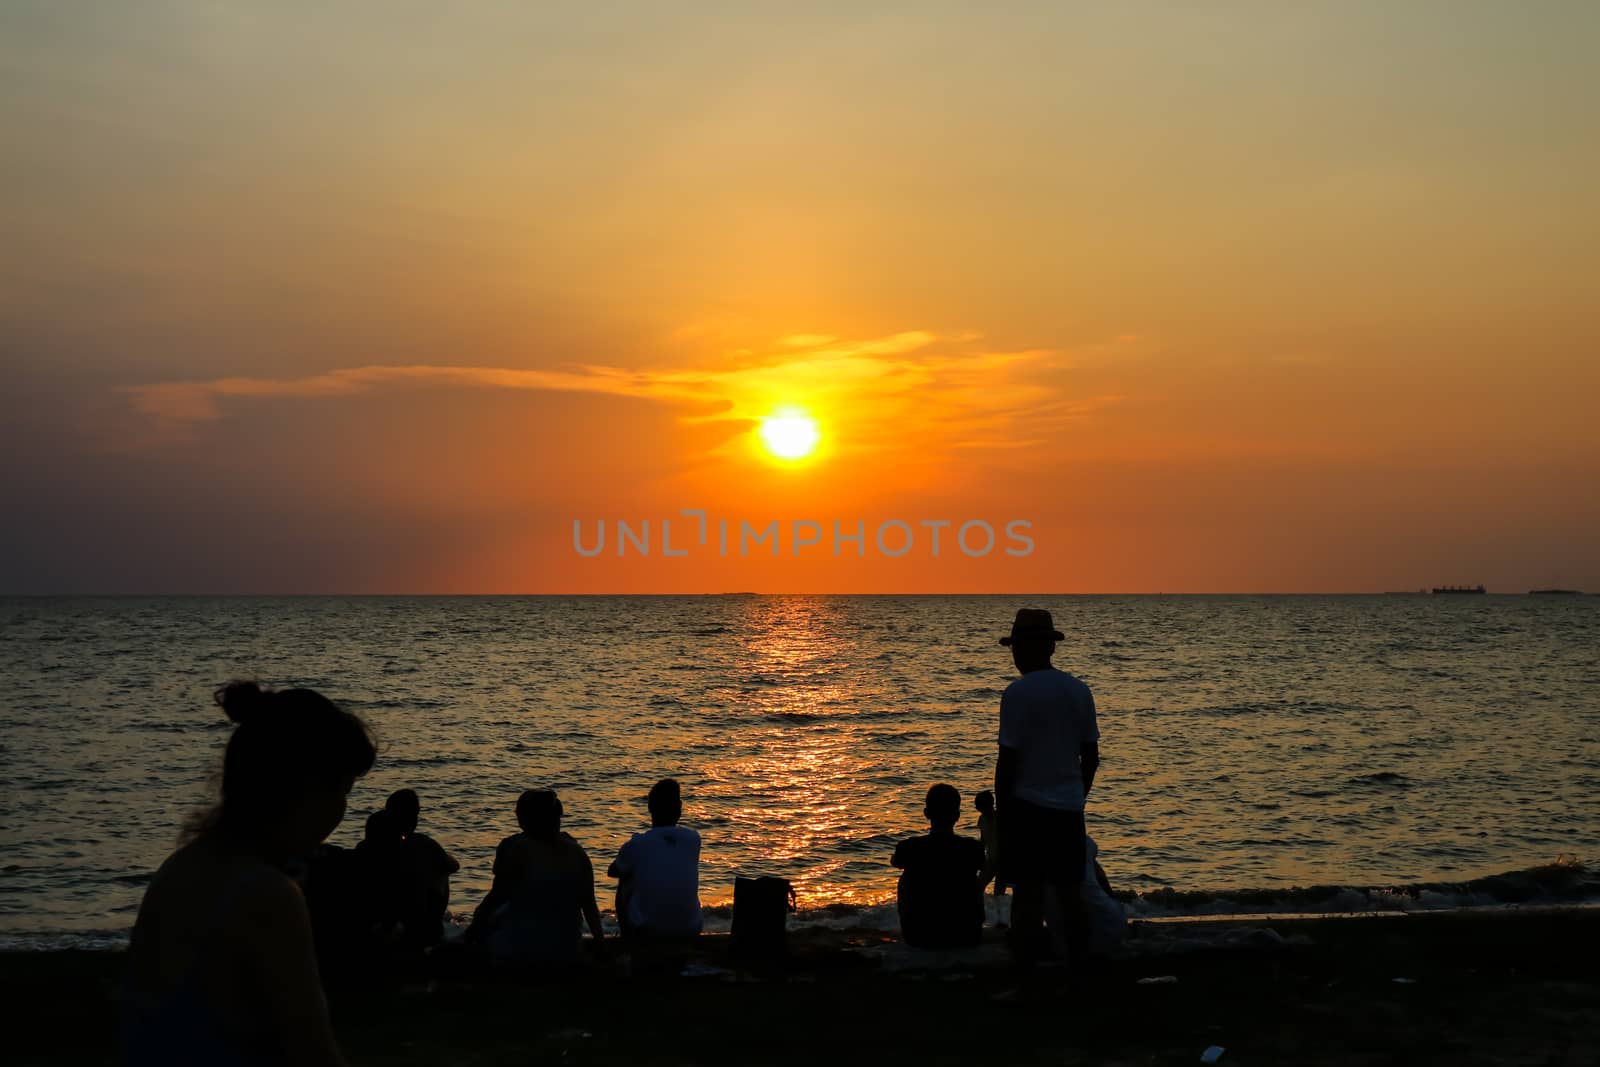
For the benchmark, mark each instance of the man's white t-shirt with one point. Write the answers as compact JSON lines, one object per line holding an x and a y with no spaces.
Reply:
{"x":1047,"y":716}
{"x":664,"y":864}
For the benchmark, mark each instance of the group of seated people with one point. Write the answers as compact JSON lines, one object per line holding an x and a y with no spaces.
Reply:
{"x":544,"y":883}
{"x":388,"y":896}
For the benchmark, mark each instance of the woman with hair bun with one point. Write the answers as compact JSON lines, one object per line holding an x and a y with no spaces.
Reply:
{"x":221,"y":967}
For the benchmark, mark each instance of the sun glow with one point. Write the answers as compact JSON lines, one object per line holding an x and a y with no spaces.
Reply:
{"x":790,"y":433}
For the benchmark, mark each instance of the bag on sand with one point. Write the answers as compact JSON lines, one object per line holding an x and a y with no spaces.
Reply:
{"x":761,"y":908}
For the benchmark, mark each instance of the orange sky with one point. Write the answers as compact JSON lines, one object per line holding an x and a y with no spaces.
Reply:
{"x":1244,"y":300}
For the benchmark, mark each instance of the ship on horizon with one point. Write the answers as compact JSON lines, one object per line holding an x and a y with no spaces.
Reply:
{"x":1457,"y":590}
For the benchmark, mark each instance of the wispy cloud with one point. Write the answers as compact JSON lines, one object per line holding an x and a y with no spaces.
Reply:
{"x":882,"y":389}
{"x":191,"y":401}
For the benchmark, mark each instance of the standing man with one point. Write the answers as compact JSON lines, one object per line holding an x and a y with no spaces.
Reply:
{"x":1049,"y":750}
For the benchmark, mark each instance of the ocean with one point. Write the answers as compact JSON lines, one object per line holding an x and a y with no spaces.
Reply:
{"x":1305,"y":753}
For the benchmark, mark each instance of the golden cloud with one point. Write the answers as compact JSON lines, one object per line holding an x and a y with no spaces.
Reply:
{"x":883,"y":389}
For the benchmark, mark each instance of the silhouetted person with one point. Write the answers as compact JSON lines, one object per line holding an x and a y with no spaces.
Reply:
{"x":543,"y":886}
{"x":1049,"y":751}
{"x":221,"y":966}
{"x":427,"y":867}
{"x":989,"y":836}
{"x":381,"y":881}
{"x":940,"y":895}
{"x":658,"y":872}
{"x":1107,"y":922}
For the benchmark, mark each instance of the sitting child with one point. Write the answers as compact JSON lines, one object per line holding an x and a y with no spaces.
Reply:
{"x":989,"y":834}
{"x":941,"y":892}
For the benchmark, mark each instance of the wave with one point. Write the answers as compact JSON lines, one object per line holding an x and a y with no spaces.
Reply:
{"x":1563,"y":882}
{"x":1389,"y":779}
{"x":1566,"y":882}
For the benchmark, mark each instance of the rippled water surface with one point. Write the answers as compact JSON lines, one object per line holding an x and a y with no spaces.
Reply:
{"x":1248,"y":743}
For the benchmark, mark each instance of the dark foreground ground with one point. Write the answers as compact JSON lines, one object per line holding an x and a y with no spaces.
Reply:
{"x":1517,"y":988}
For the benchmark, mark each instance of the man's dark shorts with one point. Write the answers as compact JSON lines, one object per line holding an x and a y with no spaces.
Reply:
{"x":1040,"y":844}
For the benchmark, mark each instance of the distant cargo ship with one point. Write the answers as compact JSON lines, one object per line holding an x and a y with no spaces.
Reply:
{"x":1441,"y":590}
{"x":1554,"y":592}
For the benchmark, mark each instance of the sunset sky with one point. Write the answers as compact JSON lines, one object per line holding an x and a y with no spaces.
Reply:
{"x":1236,"y":297}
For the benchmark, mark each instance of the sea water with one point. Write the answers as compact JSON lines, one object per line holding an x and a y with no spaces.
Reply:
{"x":1304,"y":753}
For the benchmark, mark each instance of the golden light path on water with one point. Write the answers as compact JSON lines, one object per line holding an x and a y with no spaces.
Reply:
{"x":816,"y":770}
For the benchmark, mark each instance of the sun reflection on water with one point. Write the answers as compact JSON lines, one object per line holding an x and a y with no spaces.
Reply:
{"x":798,"y":778}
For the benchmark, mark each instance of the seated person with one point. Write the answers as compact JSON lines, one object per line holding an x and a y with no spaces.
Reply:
{"x":427,"y":871}
{"x":1108,"y":923}
{"x":941,"y":891}
{"x":989,"y":835}
{"x":658,"y":872}
{"x":380,"y":882}
{"x":543,"y":885}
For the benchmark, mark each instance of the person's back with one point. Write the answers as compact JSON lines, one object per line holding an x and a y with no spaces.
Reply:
{"x":940,"y":895}
{"x":193,"y":924}
{"x":659,"y":893}
{"x":1048,"y":716}
{"x":543,"y":886}
{"x":426,"y":868}
{"x":381,"y":880}
{"x":549,"y":880}
{"x":663,"y":866}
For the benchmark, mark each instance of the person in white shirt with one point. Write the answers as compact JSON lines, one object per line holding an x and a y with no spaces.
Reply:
{"x":658,"y":873}
{"x":1049,"y":751}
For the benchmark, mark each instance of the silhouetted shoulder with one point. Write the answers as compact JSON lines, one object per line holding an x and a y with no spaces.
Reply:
{"x":430,"y":851}
{"x":1052,"y":680}
{"x":267,"y":887}
{"x":266,"y":903}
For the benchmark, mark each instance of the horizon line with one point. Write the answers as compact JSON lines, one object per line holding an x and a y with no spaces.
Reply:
{"x":732,"y":593}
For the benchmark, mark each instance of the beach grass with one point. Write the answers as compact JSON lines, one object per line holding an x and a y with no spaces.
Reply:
{"x":1510,"y":986}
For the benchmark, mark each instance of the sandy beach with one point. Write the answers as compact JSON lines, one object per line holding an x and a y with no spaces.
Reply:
{"x":1508,"y":986}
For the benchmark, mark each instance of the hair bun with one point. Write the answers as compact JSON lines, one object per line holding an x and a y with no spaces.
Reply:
{"x":242,"y":701}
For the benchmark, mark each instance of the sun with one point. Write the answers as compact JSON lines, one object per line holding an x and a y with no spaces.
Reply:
{"x":790,"y":433}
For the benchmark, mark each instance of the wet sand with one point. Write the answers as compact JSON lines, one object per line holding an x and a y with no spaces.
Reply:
{"x":1515,"y":987}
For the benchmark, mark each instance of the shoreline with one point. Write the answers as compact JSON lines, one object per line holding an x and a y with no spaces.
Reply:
{"x":822,"y":923}
{"x":1508,"y":986}
{"x":14,"y":944}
